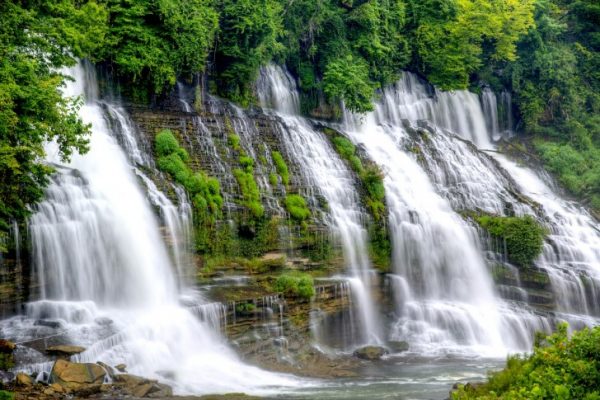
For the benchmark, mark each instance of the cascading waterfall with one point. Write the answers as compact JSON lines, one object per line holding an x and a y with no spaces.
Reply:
{"x":447,"y":299}
{"x":471,"y":180}
{"x":325,"y":169}
{"x":107,"y":279}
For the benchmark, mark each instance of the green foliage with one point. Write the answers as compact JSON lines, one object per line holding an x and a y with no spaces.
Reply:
{"x":245,"y":308}
{"x":524,"y":236}
{"x":204,"y":191}
{"x":247,"y":39}
{"x":38,"y":39}
{"x":296,"y":206}
{"x":559,"y":368}
{"x":250,"y":192}
{"x":281,"y":167}
{"x":233,"y":140}
{"x":152,"y":42}
{"x":347,"y":79}
{"x":347,"y":151}
{"x":6,"y":395}
{"x":454,"y":39}
{"x":295,"y":285}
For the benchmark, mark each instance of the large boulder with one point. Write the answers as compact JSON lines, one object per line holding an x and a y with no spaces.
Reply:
{"x":398,"y":346}
{"x":74,"y":375}
{"x":371,"y":353}
{"x":64,"y":350}
{"x":6,"y":346}
{"x":24,"y":380}
{"x":138,"y":386}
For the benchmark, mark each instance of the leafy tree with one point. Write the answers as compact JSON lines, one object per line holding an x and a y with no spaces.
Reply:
{"x":37,"y":40}
{"x":248,"y":38}
{"x":152,"y":42}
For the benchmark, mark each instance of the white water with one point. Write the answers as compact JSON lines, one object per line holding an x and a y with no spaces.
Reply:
{"x":277,"y":90}
{"x":108,"y":282}
{"x":470,"y":180}
{"x":448,"y":302}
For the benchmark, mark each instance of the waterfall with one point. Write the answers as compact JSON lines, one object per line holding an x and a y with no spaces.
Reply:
{"x":448,"y":302}
{"x":326,"y":171}
{"x":420,"y":132}
{"x":108,"y":283}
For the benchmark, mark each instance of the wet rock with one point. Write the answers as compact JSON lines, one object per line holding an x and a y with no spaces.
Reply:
{"x":48,"y":323}
{"x":87,"y":390}
{"x":6,"y":346}
{"x":121,"y":367}
{"x":104,"y":321}
{"x":109,"y":370}
{"x":64,"y":350}
{"x":24,"y":379}
{"x":160,"y":390}
{"x":130,"y":380}
{"x":398,"y":346}
{"x":73,"y":375}
{"x":371,"y":353}
{"x":6,"y":377}
{"x":57,"y":388}
{"x":142,"y":390}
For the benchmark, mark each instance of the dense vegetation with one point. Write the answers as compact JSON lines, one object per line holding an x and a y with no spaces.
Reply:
{"x":544,"y":51}
{"x":204,"y":191}
{"x":522,"y":237}
{"x":295,"y":285}
{"x":560,"y":368}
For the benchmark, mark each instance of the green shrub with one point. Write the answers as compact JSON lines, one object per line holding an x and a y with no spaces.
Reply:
{"x":250,"y":192}
{"x":5,"y":395}
{"x":205,"y":192}
{"x":234,"y":141}
{"x":273,"y":179}
{"x":297,"y":285}
{"x":524,"y":236}
{"x":245,"y":308}
{"x":560,"y":368}
{"x":296,"y":206}
{"x":165,"y":143}
{"x":281,"y":166}
{"x":247,"y":163}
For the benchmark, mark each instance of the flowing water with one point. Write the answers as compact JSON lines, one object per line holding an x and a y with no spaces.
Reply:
{"x":110,"y":283}
{"x":107,"y":280}
{"x":431,"y":174}
{"x":327,"y":172}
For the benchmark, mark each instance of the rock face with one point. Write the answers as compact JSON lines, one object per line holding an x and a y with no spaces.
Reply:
{"x":74,"y":375}
{"x":64,"y":350}
{"x":370,"y":353}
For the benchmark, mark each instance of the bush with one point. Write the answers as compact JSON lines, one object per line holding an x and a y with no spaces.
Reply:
{"x":560,"y":368}
{"x":247,"y":163}
{"x":296,"y":206}
{"x":281,"y":166}
{"x":165,"y":143}
{"x":233,"y":140}
{"x":524,"y":236}
{"x":205,"y":192}
{"x":300,"y":285}
{"x":250,"y":192}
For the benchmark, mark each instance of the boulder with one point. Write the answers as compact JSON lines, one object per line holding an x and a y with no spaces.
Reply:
{"x":398,"y":346}
{"x":72,"y":375}
{"x":7,"y":347}
{"x":64,"y":350}
{"x":121,"y":367}
{"x":24,"y":379}
{"x":371,"y":353}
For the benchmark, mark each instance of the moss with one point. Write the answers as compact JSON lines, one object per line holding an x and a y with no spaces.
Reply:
{"x":165,"y":143}
{"x":204,"y":191}
{"x":296,"y":206}
{"x":6,"y":395}
{"x":524,"y":236}
{"x":295,"y":285}
{"x":281,"y":166}
{"x":233,"y":141}
{"x":273,"y":179}
{"x":250,"y":192}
